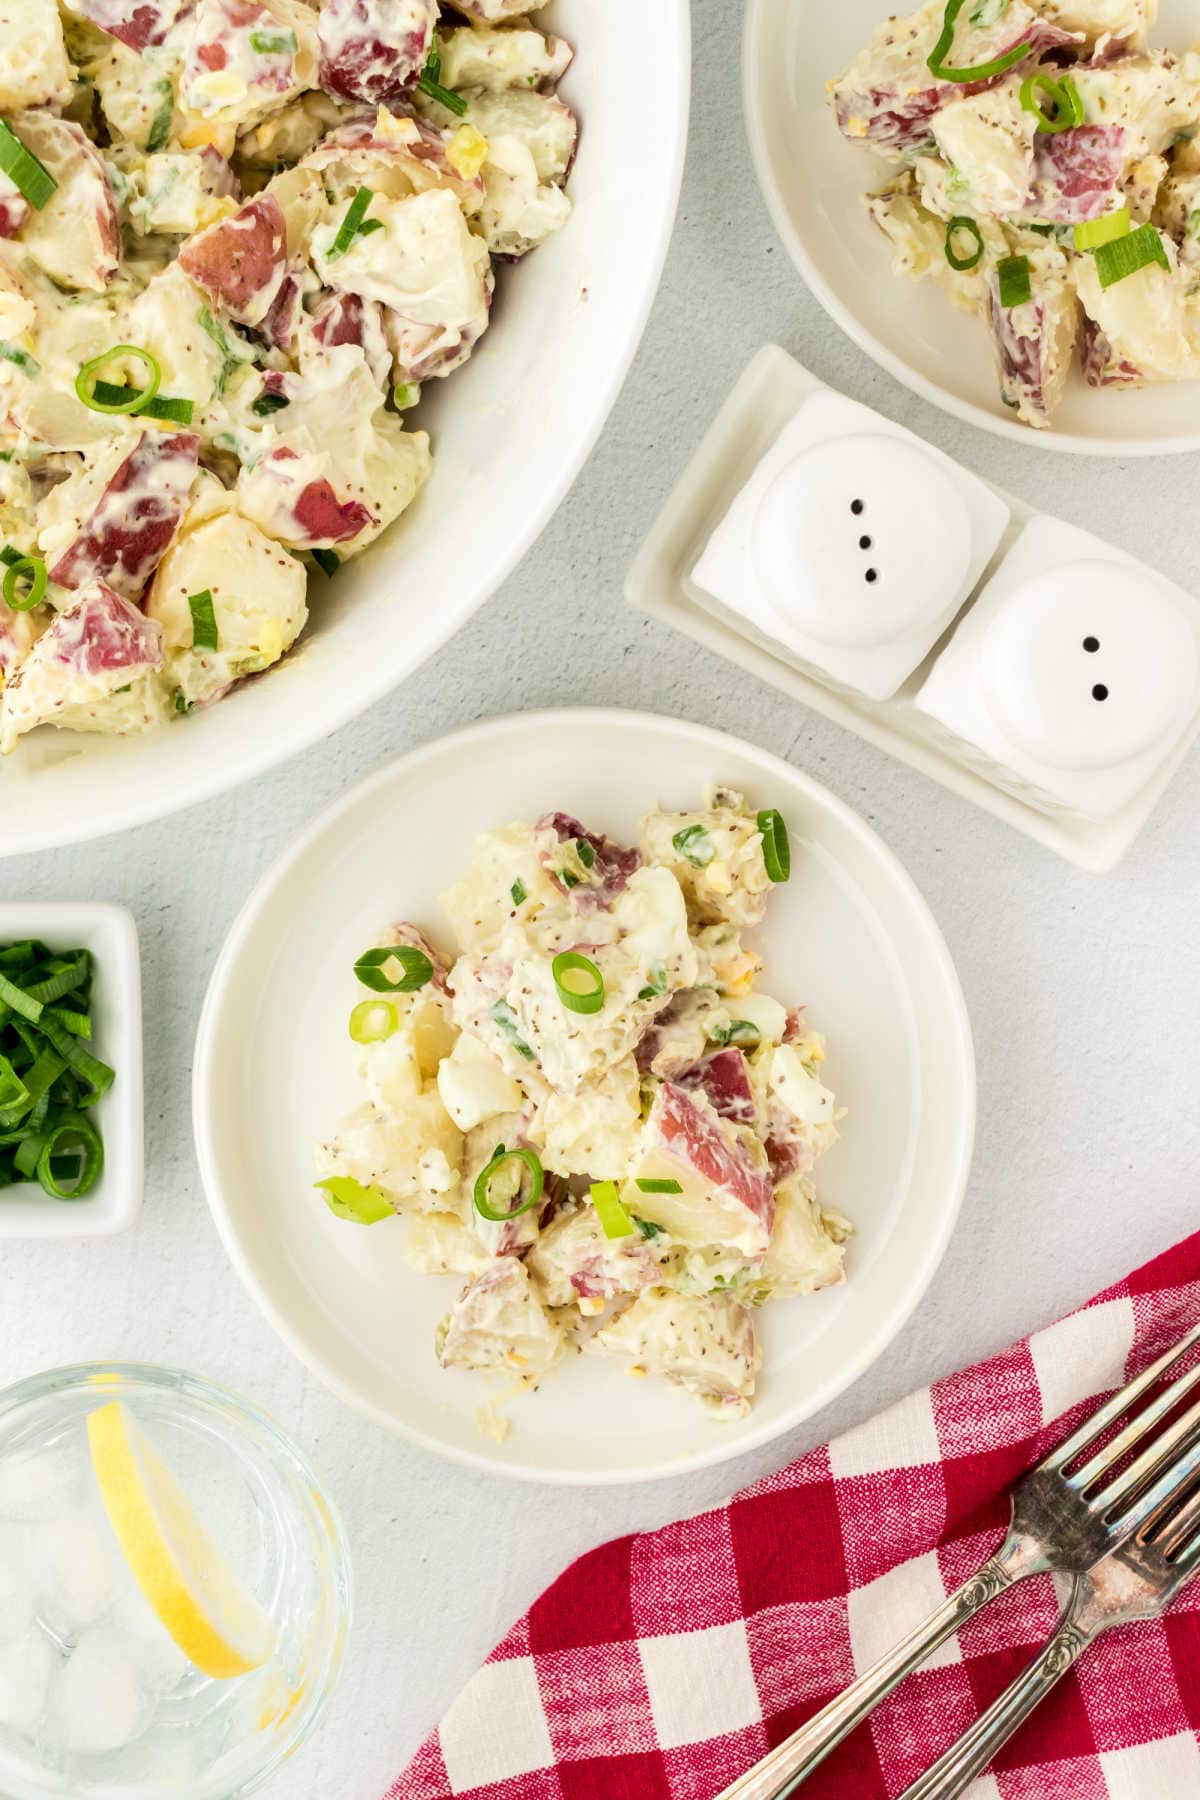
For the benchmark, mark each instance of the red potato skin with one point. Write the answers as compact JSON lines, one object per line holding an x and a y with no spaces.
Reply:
{"x":100,"y":633}
{"x":725,"y":1081}
{"x":319,"y":517}
{"x":371,"y":49}
{"x":1075,"y":172}
{"x":124,"y":539}
{"x":14,"y":210}
{"x":219,"y":23}
{"x":610,"y":872}
{"x":696,"y":1139}
{"x":240,"y":261}
{"x":137,"y":23}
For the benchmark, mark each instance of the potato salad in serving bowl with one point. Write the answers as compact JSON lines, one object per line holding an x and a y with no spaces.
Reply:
{"x":593,"y":1117}
{"x":237,"y":239}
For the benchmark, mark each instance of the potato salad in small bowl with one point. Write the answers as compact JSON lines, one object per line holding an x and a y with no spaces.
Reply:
{"x":593,"y":1116}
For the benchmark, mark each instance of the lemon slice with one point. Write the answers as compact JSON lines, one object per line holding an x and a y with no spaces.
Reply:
{"x":194,"y":1592}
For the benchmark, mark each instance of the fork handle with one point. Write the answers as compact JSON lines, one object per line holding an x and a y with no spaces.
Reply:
{"x":785,"y":1767}
{"x":955,"y":1770}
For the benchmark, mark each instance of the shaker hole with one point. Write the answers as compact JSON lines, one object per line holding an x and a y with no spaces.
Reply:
{"x":1099,"y":692}
{"x":1091,"y":643}
{"x":864,"y":543}
{"x":871,"y":575}
{"x":856,"y":506}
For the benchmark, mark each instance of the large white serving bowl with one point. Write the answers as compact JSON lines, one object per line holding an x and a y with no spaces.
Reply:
{"x":849,"y":935}
{"x":510,"y":432}
{"x":813,"y":182}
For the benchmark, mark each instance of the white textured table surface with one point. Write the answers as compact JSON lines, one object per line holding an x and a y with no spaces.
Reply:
{"x":1084,"y":992}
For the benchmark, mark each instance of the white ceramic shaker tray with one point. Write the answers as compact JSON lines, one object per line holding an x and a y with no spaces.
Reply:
{"x":765,"y":401}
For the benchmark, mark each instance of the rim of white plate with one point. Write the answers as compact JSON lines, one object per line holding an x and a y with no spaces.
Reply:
{"x":754,"y":50}
{"x":602,"y":719}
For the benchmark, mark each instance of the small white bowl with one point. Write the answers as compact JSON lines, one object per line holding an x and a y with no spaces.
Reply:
{"x":813,"y":182}
{"x":109,"y":932}
{"x":274,"y":1068}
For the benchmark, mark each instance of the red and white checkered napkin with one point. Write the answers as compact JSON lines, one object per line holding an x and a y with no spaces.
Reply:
{"x":661,"y":1666}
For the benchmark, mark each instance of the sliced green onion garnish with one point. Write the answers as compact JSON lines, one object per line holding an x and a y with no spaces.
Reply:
{"x":961,"y":222}
{"x":10,"y":556}
{"x":503,"y":1015}
{"x":412,"y":969}
{"x":76,"y":1142}
{"x":22,"y":360}
{"x":269,"y":403}
{"x":504,"y":1178}
{"x":373,"y":1021}
{"x":23,"y":168}
{"x":660,"y":1187}
{"x":160,"y":125}
{"x":405,"y":394}
{"x":1091,"y":233}
{"x":981,"y":71}
{"x":204,"y":621}
{"x":615,"y":1222}
{"x":273,"y":43}
{"x":1126,"y":255}
{"x":429,"y":84}
{"x":518,"y":892}
{"x":1066,"y":106}
{"x":657,"y":983}
{"x":777,"y":852}
{"x":137,"y":397}
{"x":695,"y":846}
{"x":351,"y":225}
{"x":159,"y":406}
{"x":326,"y":561}
{"x":351,"y":1200}
{"x":27,"y":568}
{"x":579,"y":982}
{"x":1013,"y":275}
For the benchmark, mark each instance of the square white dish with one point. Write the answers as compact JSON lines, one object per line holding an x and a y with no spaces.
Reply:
{"x":111,"y":935}
{"x":660,"y":583}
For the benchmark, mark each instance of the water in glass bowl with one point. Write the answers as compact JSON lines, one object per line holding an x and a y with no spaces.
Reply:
{"x":174,"y":1594}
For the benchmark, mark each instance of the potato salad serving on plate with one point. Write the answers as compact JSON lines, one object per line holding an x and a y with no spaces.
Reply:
{"x":236,"y":238}
{"x":593,"y":1117}
{"x":1045,"y":171}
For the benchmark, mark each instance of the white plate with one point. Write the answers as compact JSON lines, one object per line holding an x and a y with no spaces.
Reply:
{"x":109,"y":932}
{"x":849,"y":935}
{"x":813,"y":181}
{"x":510,"y":432}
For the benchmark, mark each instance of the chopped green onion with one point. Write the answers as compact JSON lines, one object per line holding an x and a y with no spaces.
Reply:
{"x":97,"y":1074}
{"x":77,"y":1023}
{"x":519,"y":893}
{"x":10,"y":556}
{"x":27,"y":568}
{"x":659,"y":1187}
{"x":20,"y":1000}
{"x":326,"y":561}
{"x":405,"y":394}
{"x":160,"y":125}
{"x":981,"y":71}
{"x":695,"y":846}
{"x":74,"y":1139}
{"x":372,"y":969}
{"x":585,"y":853}
{"x":204,"y":621}
{"x":368,"y":226}
{"x":579,"y":982}
{"x":988,"y":12}
{"x":1012,"y":272}
{"x":23,"y":169}
{"x":182,"y":704}
{"x":351,"y":225}
{"x":504,"y":1178}
{"x":269,"y":403}
{"x":14,"y":1095}
{"x":351,"y":1200}
{"x":657,"y":983}
{"x":13,"y":353}
{"x":273,"y":43}
{"x":373,"y":1021}
{"x":961,"y":222}
{"x":137,"y":397}
{"x":568,"y":880}
{"x":161,"y":406}
{"x":1126,"y":255}
{"x":777,"y":852}
{"x":429,"y":84}
{"x":1091,"y":233}
{"x":739,"y":1031}
{"x":647,"y":1227}
{"x":503,"y":1015}
{"x":1064,"y":97}
{"x":615,"y":1222}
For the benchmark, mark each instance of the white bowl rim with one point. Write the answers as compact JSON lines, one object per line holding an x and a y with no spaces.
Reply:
{"x":1066,"y":442}
{"x":135,"y":807}
{"x":602,"y":720}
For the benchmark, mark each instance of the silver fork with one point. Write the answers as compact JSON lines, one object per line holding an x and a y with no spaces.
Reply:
{"x":1136,"y":1580}
{"x":1061,"y":1523}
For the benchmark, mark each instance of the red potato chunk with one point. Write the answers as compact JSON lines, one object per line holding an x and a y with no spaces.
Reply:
{"x":596,"y":879}
{"x":76,"y":237}
{"x":240,"y":262}
{"x":726,"y":1194}
{"x":138,"y":23}
{"x":223,"y":44}
{"x":124,"y":537}
{"x":725,"y":1081}
{"x":1034,"y":344}
{"x":373,"y":48}
{"x":281,"y":321}
{"x":95,"y":645}
{"x":1076,"y":172}
{"x":14,"y":208}
{"x":292,"y":499}
{"x":349,"y":319}
{"x":1101,"y":367}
